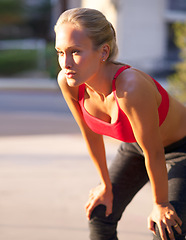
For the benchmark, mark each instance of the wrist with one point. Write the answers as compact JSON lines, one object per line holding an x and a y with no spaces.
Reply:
{"x":107,"y":186}
{"x":161,"y":199}
{"x":162,"y":204}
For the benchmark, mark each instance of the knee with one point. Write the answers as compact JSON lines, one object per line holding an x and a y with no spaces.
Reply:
{"x":176,"y":235}
{"x":180,"y":207}
{"x":102,"y":227}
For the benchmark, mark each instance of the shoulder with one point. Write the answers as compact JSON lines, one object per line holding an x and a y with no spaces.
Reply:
{"x":70,"y":92}
{"x":134,"y":87}
{"x":129,"y":82}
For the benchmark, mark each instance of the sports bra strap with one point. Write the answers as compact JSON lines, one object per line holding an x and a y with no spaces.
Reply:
{"x":120,"y":70}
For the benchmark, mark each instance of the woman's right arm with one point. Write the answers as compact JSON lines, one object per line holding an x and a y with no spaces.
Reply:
{"x":95,"y":144}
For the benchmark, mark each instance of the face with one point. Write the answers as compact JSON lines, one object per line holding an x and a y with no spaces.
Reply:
{"x":77,"y":57}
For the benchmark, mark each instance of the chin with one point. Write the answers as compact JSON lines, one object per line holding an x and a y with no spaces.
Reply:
{"x":72,"y":82}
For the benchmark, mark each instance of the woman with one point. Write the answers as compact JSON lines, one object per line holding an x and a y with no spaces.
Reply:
{"x":114,"y":99}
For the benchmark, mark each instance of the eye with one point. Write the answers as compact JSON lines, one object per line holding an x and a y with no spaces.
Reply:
{"x":60,"y":53}
{"x":75,"y":52}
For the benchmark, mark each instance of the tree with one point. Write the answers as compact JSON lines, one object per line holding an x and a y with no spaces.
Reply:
{"x":10,"y":17}
{"x":178,"y":79}
{"x":24,"y":19}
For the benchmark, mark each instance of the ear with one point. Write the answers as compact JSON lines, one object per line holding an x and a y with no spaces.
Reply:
{"x":105,"y":52}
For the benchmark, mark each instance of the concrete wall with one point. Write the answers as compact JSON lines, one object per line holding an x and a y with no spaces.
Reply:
{"x":141,"y":32}
{"x":107,"y":7}
{"x":73,"y":3}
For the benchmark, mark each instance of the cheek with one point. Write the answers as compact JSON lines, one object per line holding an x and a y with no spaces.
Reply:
{"x":91,"y":63}
{"x":60,"y":61}
{"x":79,"y":60}
{"x":89,"y":71}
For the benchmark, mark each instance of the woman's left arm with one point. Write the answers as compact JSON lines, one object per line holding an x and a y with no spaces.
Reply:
{"x":139,"y":102}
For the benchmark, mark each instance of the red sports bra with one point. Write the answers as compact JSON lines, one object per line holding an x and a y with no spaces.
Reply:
{"x":121,"y":129}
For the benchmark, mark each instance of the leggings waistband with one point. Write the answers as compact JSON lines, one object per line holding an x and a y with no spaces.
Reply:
{"x":175,"y":145}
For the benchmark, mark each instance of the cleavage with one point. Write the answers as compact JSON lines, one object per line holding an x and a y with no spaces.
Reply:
{"x":103,"y":110}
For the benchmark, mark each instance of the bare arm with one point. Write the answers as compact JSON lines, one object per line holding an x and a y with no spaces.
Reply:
{"x":96,"y":148}
{"x":140,"y":105}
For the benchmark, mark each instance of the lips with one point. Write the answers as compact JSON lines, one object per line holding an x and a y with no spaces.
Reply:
{"x":70,"y":74}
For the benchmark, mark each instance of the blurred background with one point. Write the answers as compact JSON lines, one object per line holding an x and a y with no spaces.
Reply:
{"x":45,"y":170}
{"x":145,"y":34}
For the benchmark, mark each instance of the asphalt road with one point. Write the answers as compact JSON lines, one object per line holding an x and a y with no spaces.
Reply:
{"x":33,"y":101}
{"x":34,"y":112}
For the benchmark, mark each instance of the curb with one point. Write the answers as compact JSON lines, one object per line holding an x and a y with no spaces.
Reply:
{"x":28,"y":84}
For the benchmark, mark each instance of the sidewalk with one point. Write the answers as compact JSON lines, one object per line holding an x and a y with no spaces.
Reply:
{"x":28,"y":84}
{"x":44,"y":185}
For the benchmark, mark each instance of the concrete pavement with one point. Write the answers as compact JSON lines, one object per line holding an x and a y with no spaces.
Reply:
{"x":44,"y":185}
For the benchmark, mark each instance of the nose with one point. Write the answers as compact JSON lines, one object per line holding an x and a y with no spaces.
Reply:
{"x":66,"y":62}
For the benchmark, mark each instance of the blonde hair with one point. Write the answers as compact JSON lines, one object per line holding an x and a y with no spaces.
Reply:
{"x":97,"y":27}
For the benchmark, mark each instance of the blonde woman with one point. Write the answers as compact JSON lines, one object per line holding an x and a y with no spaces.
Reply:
{"x":117,"y":100}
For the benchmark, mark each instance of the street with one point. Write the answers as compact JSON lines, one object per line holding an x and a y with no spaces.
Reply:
{"x":46,"y":173}
{"x":34,"y":112}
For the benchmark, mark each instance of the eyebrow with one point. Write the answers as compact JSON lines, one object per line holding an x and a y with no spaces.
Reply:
{"x":73,"y":46}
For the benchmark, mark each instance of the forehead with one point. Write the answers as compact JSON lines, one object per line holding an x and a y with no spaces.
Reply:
{"x":68,"y":34}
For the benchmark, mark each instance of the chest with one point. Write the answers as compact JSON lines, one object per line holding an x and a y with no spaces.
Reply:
{"x":105,"y":117}
{"x":105,"y":109}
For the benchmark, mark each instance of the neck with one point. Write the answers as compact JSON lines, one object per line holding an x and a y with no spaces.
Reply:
{"x":102,"y":82}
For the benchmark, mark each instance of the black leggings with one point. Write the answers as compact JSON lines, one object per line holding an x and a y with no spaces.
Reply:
{"x":128,"y":175}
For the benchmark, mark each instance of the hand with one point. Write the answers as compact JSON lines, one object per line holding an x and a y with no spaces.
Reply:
{"x":164,"y":215}
{"x":97,"y":196}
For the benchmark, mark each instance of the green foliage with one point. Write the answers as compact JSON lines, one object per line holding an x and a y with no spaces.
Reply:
{"x":14,"y":61}
{"x":178,"y":79}
{"x":10,"y":12}
{"x":51,"y":61}
{"x":24,"y":19}
{"x":21,"y":19}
